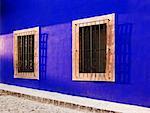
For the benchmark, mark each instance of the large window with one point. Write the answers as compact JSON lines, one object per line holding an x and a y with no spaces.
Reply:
{"x":93,"y":48}
{"x":26,"y":48}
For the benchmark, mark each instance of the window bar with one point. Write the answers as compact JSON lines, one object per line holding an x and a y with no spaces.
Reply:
{"x":30,"y":49}
{"x":28,"y":52}
{"x":18,"y":47}
{"x":20,"y":56}
{"x":19,"y":52}
{"x":25,"y":53}
{"x":99,"y":38}
{"x":82,"y":50}
{"x":22,"y":53}
{"x":91,"y":68}
{"x":33,"y":52}
{"x":21,"y":41}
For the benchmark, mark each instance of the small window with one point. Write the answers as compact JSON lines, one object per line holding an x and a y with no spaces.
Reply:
{"x":26,"y":48}
{"x":93,"y":48}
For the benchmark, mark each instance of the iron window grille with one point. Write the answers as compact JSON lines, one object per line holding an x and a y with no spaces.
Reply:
{"x":93,"y":50}
{"x":26,"y":53}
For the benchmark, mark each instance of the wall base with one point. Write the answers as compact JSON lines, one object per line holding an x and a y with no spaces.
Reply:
{"x":71,"y":101}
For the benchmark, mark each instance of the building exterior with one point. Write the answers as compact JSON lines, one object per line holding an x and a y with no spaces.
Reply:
{"x":54,"y":54}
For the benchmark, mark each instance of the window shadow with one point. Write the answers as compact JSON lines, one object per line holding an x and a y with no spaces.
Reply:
{"x":43,"y":56}
{"x":123,"y":53}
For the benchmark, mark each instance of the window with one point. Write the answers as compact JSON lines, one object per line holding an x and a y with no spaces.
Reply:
{"x":26,"y":53}
{"x":94,"y":48}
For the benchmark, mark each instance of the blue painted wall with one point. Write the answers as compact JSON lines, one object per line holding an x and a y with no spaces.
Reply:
{"x":132,"y":84}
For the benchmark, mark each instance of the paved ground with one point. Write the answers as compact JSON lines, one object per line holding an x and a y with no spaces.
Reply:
{"x":11,"y":104}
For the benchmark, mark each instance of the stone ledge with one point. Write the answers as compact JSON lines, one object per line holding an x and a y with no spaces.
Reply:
{"x":80,"y":102}
{"x":55,"y":102}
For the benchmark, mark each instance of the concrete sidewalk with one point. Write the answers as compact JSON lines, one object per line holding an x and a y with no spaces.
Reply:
{"x":12,"y":104}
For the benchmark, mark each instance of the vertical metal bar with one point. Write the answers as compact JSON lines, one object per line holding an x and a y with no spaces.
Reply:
{"x":30,"y":55}
{"x":22,"y":53}
{"x":91,"y":70}
{"x":99,"y":47}
{"x":18,"y":41}
{"x":31,"y":51}
{"x":28,"y":52}
{"x":82,"y":50}
{"x":33,"y":55}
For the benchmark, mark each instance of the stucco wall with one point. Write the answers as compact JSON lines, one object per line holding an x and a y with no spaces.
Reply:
{"x":54,"y":17}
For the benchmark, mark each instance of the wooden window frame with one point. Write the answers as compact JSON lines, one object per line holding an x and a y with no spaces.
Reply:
{"x":109,"y":75}
{"x":27,"y":75}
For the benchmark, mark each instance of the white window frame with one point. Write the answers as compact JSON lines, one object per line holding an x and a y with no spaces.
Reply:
{"x":27,"y":75}
{"x":109,"y":75}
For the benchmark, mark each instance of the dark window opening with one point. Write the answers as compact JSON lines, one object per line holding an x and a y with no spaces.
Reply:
{"x":92,"y":49}
{"x":25,"y":53}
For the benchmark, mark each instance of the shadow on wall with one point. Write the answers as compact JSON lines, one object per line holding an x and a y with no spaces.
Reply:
{"x":43,"y":56}
{"x":123,"y":53}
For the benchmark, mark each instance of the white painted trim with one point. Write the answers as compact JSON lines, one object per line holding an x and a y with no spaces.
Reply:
{"x":100,"y":104}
